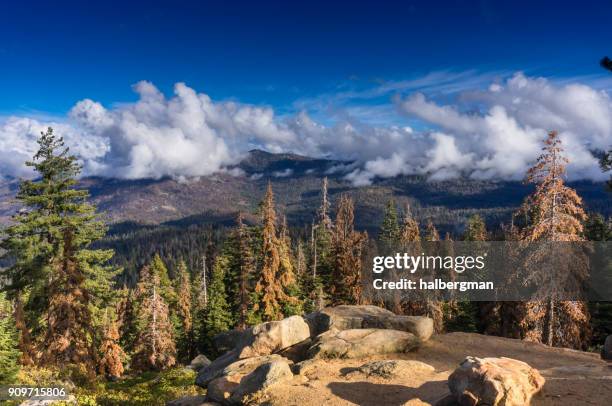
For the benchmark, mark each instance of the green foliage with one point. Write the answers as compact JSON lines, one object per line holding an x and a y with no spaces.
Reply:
{"x":597,"y":229}
{"x":183,"y":331}
{"x":461,"y":316}
{"x":149,"y":388}
{"x":159,"y":269}
{"x":9,"y":353}
{"x":390,"y":232}
{"x":217,"y":315}
{"x":49,"y":244}
{"x":154,"y":348}
{"x":146,"y":389}
{"x":475,"y":229}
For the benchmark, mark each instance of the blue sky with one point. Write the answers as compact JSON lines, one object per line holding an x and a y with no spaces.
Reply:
{"x":288,"y":55}
{"x":177,"y":88}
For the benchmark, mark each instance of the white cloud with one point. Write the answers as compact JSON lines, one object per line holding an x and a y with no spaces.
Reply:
{"x":505,"y":139}
{"x":492,"y":131}
{"x":283,"y":174}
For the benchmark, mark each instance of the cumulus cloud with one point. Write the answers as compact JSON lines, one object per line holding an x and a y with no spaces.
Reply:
{"x":487,"y":133}
{"x":502,"y":141}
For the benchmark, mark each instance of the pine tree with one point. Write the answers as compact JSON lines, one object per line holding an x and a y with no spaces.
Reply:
{"x":126,"y":318}
{"x":300,"y":260}
{"x":200,"y":303}
{"x":476,"y":229}
{"x":9,"y":351}
{"x":390,"y":232}
{"x":217,"y":315}
{"x":486,"y":314}
{"x":433,"y":306}
{"x":554,"y":212}
{"x":431,"y":232}
{"x":292,"y":305}
{"x":65,"y":283}
{"x":276,"y":274}
{"x":69,"y":337}
{"x":244,"y":274}
{"x":410,"y":243}
{"x":154,"y":348}
{"x":111,"y":361}
{"x":324,"y":218}
{"x":346,"y":285}
{"x":166,"y":290}
{"x":25,"y":345}
{"x":598,"y":230}
{"x":185,"y":333}
{"x":321,"y":250}
{"x":409,"y":233}
{"x":389,"y":238}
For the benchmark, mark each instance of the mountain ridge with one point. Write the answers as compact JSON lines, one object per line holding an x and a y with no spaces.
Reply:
{"x":296,"y":181}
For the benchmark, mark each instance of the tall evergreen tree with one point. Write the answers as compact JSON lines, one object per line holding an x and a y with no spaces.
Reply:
{"x":324,"y":218}
{"x":554,"y":212}
{"x":409,"y":233}
{"x":246,"y":271}
{"x":9,"y":351}
{"x":486,"y":314}
{"x":390,"y":232}
{"x":166,"y":289}
{"x":389,"y":239}
{"x":431,"y":232}
{"x":410,"y":243}
{"x":200,"y":303}
{"x":476,"y":229}
{"x":154,"y":348}
{"x":25,"y":345}
{"x":217,"y":315}
{"x":292,"y":305}
{"x":64,"y":282}
{"x":433,"y":307}
{"x":112,"y":355}
{"x":321,"y":261}
{"x":185,"y":332}
{"x":346,"y":285}
{"x":276,"y":273}
{"x":126,"y":318}
{"x":598,"y":230}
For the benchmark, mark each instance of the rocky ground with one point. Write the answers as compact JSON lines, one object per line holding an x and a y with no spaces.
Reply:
{"x":366,"y":355}
{"x":572,"y":377}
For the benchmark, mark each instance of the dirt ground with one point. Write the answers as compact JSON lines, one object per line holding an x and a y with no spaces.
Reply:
{"x":572,"y":377}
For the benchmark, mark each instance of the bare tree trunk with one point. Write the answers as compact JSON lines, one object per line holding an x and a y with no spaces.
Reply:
{"x":550,"y":322}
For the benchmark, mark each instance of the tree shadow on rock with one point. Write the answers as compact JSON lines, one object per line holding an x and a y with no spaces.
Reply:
{"x":374,"y":394}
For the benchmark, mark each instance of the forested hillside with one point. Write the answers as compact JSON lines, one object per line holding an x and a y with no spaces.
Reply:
{"x":141,"y":298}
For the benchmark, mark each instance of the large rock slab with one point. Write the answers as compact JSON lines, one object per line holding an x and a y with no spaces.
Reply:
{"x":420,"y":326}
{"x":268,"y":338}
{"x":199,"y":362}
{"x":347,"y":317}
{"x":494,"y":382}
{"x":344,"y":317}
{"x":263,"y":377}
{"x":215,"y":369}
{"x":355,"y":343}
{"x":224,"y":377}
{"x":220,"y":389}
{"x":606,"y":351}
